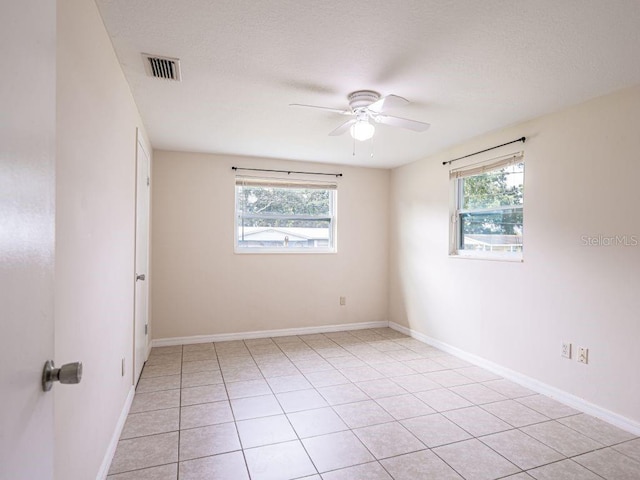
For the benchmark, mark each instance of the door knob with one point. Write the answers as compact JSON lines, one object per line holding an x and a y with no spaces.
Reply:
{"x":140,"y":277}
{"x":68,"y":373}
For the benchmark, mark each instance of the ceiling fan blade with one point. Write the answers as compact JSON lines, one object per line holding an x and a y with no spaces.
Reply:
{"x":342,"y":128}
{"x":402,"y":123}
{"x":335,"y":110}
{"x":386,"y":103}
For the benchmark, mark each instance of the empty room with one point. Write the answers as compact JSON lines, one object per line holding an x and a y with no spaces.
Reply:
{"x":278,"y":240}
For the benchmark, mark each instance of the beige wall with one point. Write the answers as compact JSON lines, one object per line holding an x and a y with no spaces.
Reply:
{"x":582,"y":172}
{"x":200,"y":287}
{"x":95,"y":214}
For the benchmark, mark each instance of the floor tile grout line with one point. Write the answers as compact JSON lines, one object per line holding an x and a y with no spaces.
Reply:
{"x":235,"y":423}
{"x":637,"y":460}
{"x":564,"y":460}
{"x":141,"y":469}
{"x":587,"y":468}
{"x":375,"y":460}
{"x":547,"y":419}
{"x":385,"y":468}
{"x":200,"y":457}
{"x":554,"y":449}
{"x":584,"y":434}
{"x":599,"y":449}
{"x":180,"y":414}
{"x":511,"y":461}
{"x":518,"y":399}
{"x":269,"y":386}
{"x":479,"y":438}
{"x":447,"y":463}
{"x":287,"y":417}
{"x":160,"y":433}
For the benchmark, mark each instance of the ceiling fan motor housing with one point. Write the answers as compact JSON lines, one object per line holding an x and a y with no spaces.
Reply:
{"x":362,"y":99}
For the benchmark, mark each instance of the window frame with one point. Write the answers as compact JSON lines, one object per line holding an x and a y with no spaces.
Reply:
{"x":275,"y":182}
{"x":457,"y":177}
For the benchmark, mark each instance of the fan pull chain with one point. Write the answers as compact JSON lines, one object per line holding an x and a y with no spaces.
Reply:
{"x":354,"y":146}
{"x":372,"y":146}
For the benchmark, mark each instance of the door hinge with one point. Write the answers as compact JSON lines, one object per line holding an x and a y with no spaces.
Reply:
{"x":148,"y":181}
{"x":146,"y":328}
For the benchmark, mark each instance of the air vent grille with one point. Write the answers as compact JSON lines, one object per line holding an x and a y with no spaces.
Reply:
{"x":162,"y":67}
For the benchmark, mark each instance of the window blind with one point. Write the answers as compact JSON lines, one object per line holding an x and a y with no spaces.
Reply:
{"x":488,"y":166}
{"x":248,"y":181}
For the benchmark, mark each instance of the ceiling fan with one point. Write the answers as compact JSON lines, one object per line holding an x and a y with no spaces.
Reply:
{"x":367,"y":108}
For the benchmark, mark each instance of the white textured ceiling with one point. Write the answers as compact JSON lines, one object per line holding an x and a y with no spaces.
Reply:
{"x":468,"y":67}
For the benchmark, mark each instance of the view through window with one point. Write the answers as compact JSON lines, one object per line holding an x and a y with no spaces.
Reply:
{"x":285,"y":215}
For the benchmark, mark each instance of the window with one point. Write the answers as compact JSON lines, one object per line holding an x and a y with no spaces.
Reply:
{"x":282,"y":215}
{"x":488,"y":218}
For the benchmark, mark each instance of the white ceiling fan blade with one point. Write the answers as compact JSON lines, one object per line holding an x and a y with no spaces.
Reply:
{"x":335,"y":110}
{"x":402,"y":123}
{"x":342,"y":128}
{"x":386,"y":103}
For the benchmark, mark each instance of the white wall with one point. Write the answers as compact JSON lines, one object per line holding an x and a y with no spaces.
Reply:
{"x":200,"y":287}
{"x":581,"y":178}
{"x":95,"y":225}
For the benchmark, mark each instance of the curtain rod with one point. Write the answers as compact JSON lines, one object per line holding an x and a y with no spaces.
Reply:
{"x":288,"y":172}
{"x":521,"y":139}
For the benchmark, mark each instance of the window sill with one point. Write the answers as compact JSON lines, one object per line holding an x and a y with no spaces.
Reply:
{"x":270,"y":251}
{"x":491,"y":258}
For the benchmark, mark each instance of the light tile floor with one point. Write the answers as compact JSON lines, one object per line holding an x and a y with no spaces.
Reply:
{"x":366,"y":404}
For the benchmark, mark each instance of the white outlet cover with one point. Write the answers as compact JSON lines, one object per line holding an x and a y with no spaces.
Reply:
{"x":566,"y":350}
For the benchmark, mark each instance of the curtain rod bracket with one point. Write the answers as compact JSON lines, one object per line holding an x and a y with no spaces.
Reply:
{"x":449,"y":162}
{"x":288,"y":172}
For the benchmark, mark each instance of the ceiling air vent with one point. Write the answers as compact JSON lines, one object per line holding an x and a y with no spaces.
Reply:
{"x":162,"y":67}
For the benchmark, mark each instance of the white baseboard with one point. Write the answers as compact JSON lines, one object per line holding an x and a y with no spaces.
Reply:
{"x":113,"y":444}
{"x":528,"y":382}
{"x":284,"y":332}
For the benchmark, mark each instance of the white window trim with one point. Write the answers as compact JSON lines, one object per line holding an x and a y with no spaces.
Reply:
{"x":455,"y":176}
{"x":288,"y":182}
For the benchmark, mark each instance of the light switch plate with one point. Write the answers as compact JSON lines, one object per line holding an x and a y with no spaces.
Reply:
{"x":583,"y":355}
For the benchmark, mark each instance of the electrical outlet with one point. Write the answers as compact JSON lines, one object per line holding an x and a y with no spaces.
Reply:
{"x":566,"y":350}
{"x":123,"y":367}
{"x":583,"y":355}
{"x":343,"y":301}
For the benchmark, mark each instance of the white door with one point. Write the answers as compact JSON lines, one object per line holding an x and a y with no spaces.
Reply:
{"x":27,"y":207}
{"x":142,"y":261}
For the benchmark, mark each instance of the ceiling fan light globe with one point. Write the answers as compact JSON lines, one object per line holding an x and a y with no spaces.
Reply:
{"x":362,"y":130}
